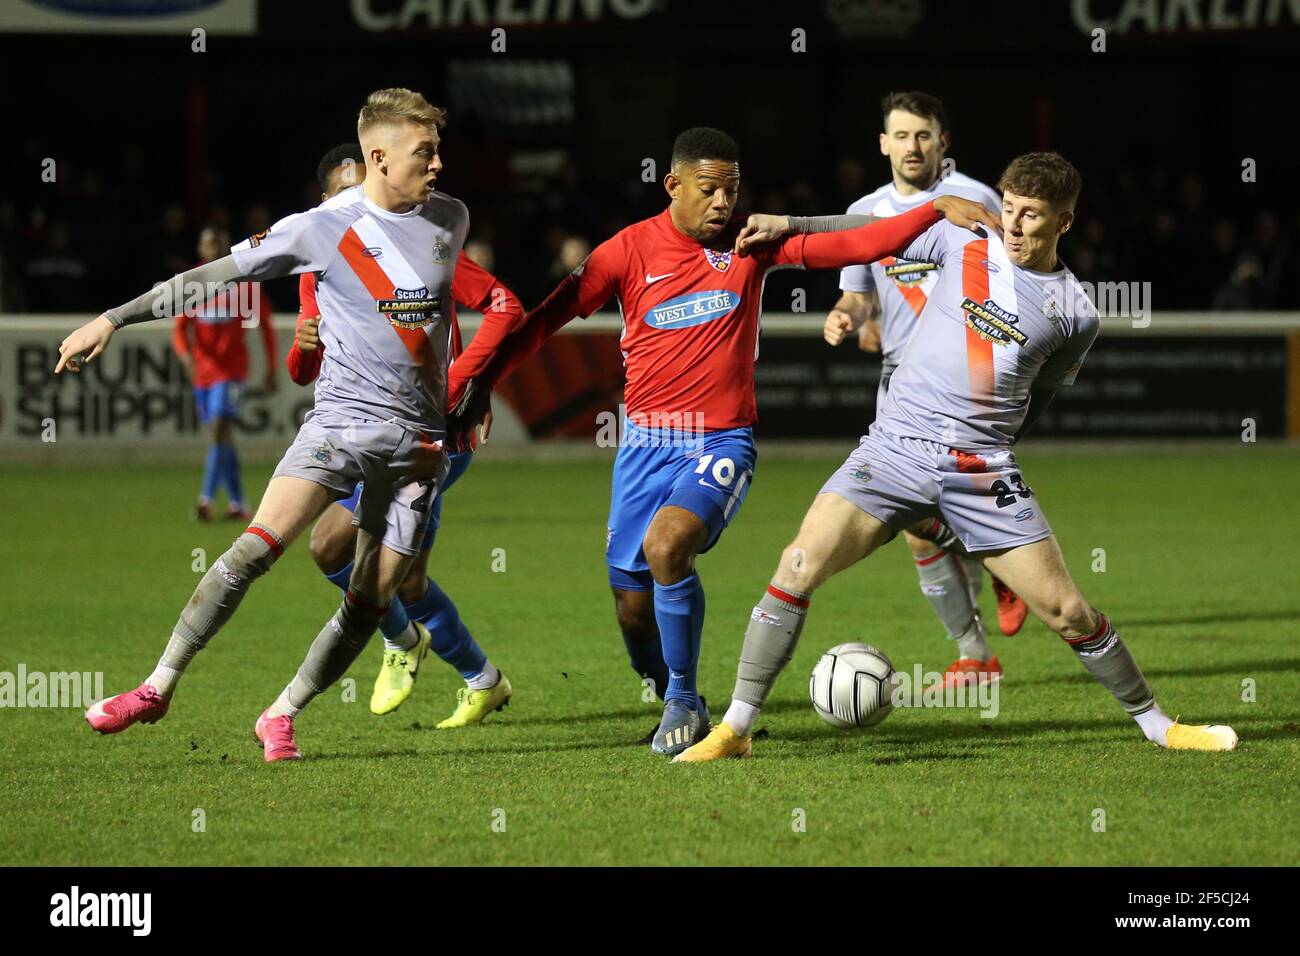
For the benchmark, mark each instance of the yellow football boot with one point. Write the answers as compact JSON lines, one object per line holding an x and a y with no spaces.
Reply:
{"x":1202,"y":737}
{"x":396,"y":680}
{"x":721,"y":742}
{"x":473,"y":706}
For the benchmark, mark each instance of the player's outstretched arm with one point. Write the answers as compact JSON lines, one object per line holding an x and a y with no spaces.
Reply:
{"x":165,"y":300}
{"x":83,"y":345}
{"x":477,"y":288}
{"x":469,"y":398}
{"x":884,"y":236}
{"x":762,"y":227}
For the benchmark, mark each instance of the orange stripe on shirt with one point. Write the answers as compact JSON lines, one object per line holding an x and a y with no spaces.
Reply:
{"x":979,"y":351}
{"x":378,"y":284}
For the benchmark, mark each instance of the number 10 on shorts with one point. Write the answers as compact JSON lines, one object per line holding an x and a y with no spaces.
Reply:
{"x":724,"y":469}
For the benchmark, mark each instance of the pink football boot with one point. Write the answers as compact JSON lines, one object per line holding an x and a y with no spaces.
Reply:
{"x":275,"y":734}
{"x":112,"y":716}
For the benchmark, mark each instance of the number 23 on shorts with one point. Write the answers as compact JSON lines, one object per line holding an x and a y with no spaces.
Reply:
{"x":1006,"y":494}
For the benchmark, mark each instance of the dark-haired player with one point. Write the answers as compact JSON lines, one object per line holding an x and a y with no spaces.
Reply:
{"x":690,"y":339}
{"x":884,"y":300}
{"x":422,"y":616}
{"x":1005,"y":326}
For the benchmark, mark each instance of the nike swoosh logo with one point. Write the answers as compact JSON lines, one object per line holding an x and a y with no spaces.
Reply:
{"x":651,"y":280}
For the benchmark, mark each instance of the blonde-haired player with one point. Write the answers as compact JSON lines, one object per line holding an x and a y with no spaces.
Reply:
{"x":384,"y":252}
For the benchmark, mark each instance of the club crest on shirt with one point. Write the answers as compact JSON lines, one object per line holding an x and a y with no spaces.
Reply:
{"x":992,"y":323}
{"x":441,"y":251}
{"x":1050,"y":311}
{"x":410,"y":308}
{"x":907,"y":272}
{"x":720,"y":260}
{"x":256,"y":238}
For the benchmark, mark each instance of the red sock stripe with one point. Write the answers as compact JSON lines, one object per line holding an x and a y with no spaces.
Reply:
{"x":1103,"y":625}
{"x":359,"y":601}
{"x":787,"y":597}
{"x":921,"y":562}
{"x":271,"y":540}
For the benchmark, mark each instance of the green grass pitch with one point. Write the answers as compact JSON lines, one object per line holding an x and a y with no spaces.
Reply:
{"x":1201,"y":574}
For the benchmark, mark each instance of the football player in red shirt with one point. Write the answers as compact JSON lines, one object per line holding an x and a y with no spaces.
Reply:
{"x":209,"y":341}
{"x":690,"y":340}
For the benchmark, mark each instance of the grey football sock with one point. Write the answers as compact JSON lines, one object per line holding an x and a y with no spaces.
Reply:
{"x":1106,"y":658}
{"x":973,"y":570}
{"x":770,"y":640}
{"x":972,"y":645}
{"x":339,"y":643}
{"x":943,"y":582}
{"x":220,"y":590}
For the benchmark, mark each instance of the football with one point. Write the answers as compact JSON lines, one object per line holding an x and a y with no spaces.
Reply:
{"x":852,"y":686}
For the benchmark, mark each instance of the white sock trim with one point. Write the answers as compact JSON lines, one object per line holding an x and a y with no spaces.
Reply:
{"x":740,"y":717}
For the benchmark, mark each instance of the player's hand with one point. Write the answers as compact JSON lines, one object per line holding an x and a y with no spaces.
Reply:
{"x":82,"y":346}
{"x":760,"y":228}
{"x":967,"y":214}
{"x":838,"y":325}
{"x":271,"y":383}
{"x":869,"y":337}
{"x":485,"y":429}
{"x":466,"y":414}
{"x":187,"y":363}
{"x":307,"y":335}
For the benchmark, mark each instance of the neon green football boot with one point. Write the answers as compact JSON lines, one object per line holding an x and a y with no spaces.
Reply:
{"x":396,"y":680}
{"x":473,"y":706}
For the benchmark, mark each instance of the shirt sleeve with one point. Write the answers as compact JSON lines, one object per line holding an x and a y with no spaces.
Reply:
{"x":1062,"y":366}
{"x":305,"y":366}
{"x":857,"y":277}
{"x":297,"y":243}
{"x":834,"y":250}
{"x":934,"y":243}
{"x":580,"y":293}
{"x":600,"y":276}
{"x":476,"y":288}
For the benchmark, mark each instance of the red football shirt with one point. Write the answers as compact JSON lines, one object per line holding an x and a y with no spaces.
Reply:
{"x":214,"y":334}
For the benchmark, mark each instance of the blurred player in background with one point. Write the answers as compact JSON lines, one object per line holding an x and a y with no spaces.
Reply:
{"x":209,"y":341}
{"x":883,"y":301}
{"x":1005,"y":326}
{"x":421,"y":615}
{"x":386,"y":251}
{"x":690,"y":340}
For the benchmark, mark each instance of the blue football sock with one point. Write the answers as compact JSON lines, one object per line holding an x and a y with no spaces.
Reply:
{"x":234,"y":485}
{"x":679,"y":611}
{"x":647,"y":658}
{"x":211,"y":472}
{"x":452,"y":640}
{"x":393,"y":623}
